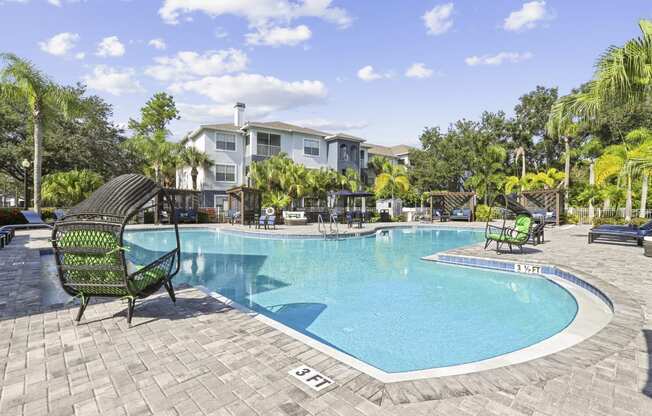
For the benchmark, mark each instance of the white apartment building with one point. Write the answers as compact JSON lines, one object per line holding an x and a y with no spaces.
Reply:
{"x":234,"y":146}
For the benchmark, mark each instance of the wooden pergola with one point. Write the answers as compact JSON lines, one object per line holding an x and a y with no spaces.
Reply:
{"x":545,"y":199}
{"x":249,"y":201}
{"x":448,"y":201}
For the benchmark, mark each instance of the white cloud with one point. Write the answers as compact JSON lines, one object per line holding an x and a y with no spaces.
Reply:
{"x":257,"y":12}
{"x":157,"y":43}
{"x":527,"y":17}
{"x":368,"y":73}
{"x":438,"y":20}
{"x":498,"y":59}
{"x":262,"y":94}
{"x":187,"y":64}
{"x":112,"y":80}
{"x":332,"y":126}
{"x":277,"y":36}
{"x":221,"y":33}
{"x":110,"y":46}
{"x":418,"y":70}
{"x":80,"y":55}
{"x":60,"y":44}
{"x":55,"y":2}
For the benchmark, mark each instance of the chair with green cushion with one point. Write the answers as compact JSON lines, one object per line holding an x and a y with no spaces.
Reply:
{"x":90,"y":251}
{"x":518,"y":235}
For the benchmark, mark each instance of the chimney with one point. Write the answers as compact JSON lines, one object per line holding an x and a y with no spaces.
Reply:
{"x":238,"y":114}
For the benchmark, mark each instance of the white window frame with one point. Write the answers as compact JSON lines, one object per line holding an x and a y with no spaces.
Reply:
{"x":235,"y":172}
{"x":307,"y":139}
{"x":269,"y":147}
{"x":235,"y":141}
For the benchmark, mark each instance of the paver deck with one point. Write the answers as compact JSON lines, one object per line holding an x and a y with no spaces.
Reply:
{"x":203,"y":357}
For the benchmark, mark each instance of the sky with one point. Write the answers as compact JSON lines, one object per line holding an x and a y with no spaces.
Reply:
{"x":381,"y":70}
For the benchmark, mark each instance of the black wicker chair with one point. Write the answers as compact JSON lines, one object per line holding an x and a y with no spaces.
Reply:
{"x":90,"y":251}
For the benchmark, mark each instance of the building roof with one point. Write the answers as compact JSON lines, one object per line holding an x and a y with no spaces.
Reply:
{"x":389,"y":151}
{"x":346,"y":137}
{"x":279,"y":125}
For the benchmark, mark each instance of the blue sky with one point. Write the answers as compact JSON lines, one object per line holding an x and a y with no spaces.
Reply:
{"x":378,"y":69}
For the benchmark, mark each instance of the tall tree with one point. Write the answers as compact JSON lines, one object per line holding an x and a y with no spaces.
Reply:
{"x":21,"y":82}
{"x":155,"y":116}
{"x":392,"y":180}
{"x":194,"y":158}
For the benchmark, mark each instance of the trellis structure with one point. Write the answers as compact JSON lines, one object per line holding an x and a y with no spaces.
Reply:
{"x":90,"y":249}
{"x":448,"y":201}
{"x":543,"y":201}
{"x":248,"y":201}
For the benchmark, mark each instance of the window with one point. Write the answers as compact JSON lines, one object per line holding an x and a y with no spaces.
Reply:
{"x":311,"y":147}
{"x":354,"y":153}
{"x":247,"y":139}
{"x":219,"y":202}
{"x":344,"y":153}
{"x":268,"y":144}
{"x":361,"y":155}
{"x":225,"y":173}
{"x":225,"y":142}
{"x":401,"y":161}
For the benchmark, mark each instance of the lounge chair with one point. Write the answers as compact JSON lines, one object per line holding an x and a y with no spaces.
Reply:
{"x":620,"y":233}
{"x":187,"y":216}
{"x":33,"y":221}
{"x":537,"y":235}
{"x":271,"y":221}
{"x":517,"y":236}
{"x":262,"y":222}
{"x":461,"y":214}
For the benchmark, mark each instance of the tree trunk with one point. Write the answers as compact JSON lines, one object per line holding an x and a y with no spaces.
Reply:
{"x":566,"y":171}
{"x":38,"y":159}
{"x":641,"y":213}
{"x":591,"y":183}
{"x":628,"y":202}
{"x":193,"y":174}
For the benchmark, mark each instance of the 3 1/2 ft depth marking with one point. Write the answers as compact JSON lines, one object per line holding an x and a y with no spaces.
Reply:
{"x":313,"y":378}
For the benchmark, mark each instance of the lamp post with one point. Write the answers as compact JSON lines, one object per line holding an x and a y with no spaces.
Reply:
{"x":25,"y":164}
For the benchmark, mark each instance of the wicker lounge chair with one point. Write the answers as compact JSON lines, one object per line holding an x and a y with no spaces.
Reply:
{"x":518,"y":235}
{"x":90,"y":250}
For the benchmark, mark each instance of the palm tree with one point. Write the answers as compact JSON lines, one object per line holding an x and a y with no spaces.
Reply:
{"x":21,"y":83}
{"x":194,"y":158}
{"x":378,"y":164}
{"x":65,"y":189}
{"x":641,"y":163}
{"x":392,"y":179}
{"x":489,"y":174}
{"x":160,"y":155}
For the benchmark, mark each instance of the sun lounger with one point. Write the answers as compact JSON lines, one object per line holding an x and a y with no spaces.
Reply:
{"x":620,"y":233}
{"x":33,"y":219}
{"x":461,"y":214}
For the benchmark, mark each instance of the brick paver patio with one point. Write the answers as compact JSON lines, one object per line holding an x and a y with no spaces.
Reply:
{"x":203,"y":357}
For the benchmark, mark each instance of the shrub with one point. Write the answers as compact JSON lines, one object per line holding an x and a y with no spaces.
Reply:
{"x":485,"y":213}
{"x":608,"y":220}
{"x":570,"y":219}
{"x":639,"y":221}
{"x":11,"y":216}
{"x":202,"y":217}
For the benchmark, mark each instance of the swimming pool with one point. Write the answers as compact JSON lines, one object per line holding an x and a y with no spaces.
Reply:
{"x":373,"y":298}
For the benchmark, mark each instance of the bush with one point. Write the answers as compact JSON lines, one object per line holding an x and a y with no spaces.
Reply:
{"x":485,"y":213}
{"x":11,"y":216}
{"x":570,"y":219}
{"x":48,"y":214}
{"x":202,"y":217}
{"x":608,"y":220}
{"x":639,"y":221}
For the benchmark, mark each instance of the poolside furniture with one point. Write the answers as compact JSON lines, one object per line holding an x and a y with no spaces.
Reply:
{"x":271,"y":222}
{"x":90,"y":250}
{"x":186,"y":215}
{"x":620,"y":233}
{"x":295,"y":218}
{"x":59,"y":214}
{"x":463,"y":214}
{"x":518,"y":235}
{"x":262,"y":222}
{"x":538,"y":232}
{"x":33,"y":221}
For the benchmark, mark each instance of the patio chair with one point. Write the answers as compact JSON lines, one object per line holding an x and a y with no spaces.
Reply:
{"x":90,"y":250}
{"x":519,"y":234}
{"x":620,"y":233}
{"x":463,"y":214}
{"x":262,"y":222}
{"x":271,"y":221}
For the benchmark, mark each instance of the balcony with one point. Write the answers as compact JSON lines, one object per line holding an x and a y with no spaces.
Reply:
{"x":267,"y":150}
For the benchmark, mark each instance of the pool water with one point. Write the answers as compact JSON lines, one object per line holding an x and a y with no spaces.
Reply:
{"x":373,"y":297}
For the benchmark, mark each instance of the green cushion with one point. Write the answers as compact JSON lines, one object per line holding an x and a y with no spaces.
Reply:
{"x":523,"y":223}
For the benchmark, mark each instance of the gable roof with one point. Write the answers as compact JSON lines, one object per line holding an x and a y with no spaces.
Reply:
{"x":279,"y":125}
{"x":389,"y":151}
{"x":345,"y":137}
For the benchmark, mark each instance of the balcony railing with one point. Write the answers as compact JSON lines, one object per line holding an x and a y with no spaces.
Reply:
{"x":268,"y":150}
